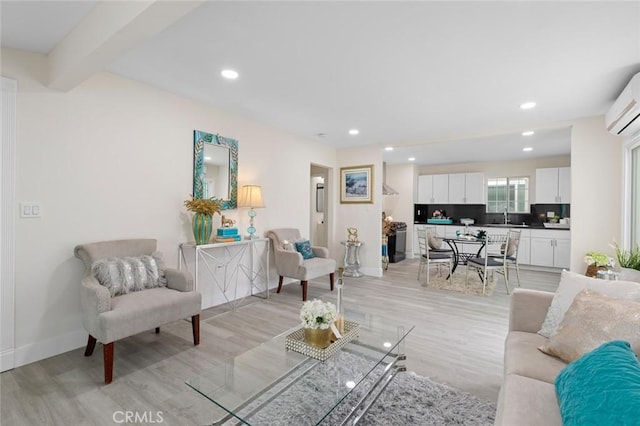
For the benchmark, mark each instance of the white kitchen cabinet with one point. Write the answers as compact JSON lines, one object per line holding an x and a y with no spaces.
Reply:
{"x":457,"y":188}
{"x":425,"y":189}
{"x":564,"y":185}
{"x":474,"y":188}
{"x":553,"y":185}
{"x":524,"y":249}
{"x":466,"y":188}
{"x":440,"y":189}
{"x":433,"y":189}
{"x":550,"y":248}
{"x":562,"y":253}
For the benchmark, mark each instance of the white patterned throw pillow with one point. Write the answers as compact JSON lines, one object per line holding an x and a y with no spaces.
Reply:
{"x":162,"y":277}
{"x":571,"y":284}
{"x":109,"y":275}
{"x":129,"y":274}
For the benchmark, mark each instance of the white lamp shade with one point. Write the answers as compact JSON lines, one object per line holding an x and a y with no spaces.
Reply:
{"x":250,"y":196}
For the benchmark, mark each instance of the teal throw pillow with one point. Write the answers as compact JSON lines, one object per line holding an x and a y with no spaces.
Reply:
{"x":601,"y":388}
{"x":304,"y":248}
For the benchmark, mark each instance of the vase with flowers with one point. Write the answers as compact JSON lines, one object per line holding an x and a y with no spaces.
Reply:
{"x":317,"y":317}
{"x":202,"y":221}
{"x":597,"y":261}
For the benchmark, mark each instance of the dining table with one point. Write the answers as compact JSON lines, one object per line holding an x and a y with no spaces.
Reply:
{"x":460,"y":256}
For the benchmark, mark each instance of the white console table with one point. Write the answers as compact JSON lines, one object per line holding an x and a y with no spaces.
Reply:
{"x":229,"y":266}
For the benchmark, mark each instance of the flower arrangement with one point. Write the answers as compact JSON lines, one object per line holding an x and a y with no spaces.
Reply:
{"x":598,"y":259}
{"x":208,"y":206}
{"x":437,"y":213}
{"x":318,"y":314}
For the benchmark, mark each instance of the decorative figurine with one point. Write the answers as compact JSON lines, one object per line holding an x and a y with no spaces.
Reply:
{"x":353,"y":235}
{"x":227,"y":223}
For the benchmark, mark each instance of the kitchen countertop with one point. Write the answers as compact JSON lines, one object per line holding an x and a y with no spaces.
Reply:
{"x":497,"y":225}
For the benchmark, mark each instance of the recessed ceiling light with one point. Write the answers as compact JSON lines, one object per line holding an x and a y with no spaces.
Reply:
{"x":527,"y":149}
{"x":412,"y":158}
{"x":230,"y":74}
{"x":527,"y":105}
{"x":389,"y":148}
{"x":354,"y":131}
{"x":528,"y":133}
{"x":207,"y":158}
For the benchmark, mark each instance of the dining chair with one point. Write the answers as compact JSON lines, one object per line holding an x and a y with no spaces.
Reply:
{"x":488,"y":264}
{"x":434,"y":243}
{"x":509,"y":256}
{"x":430,"y":257}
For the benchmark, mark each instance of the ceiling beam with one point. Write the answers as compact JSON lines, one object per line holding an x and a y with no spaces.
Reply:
{"x":111,"y":28}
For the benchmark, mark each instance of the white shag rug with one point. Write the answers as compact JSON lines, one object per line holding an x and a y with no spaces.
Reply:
{"x":409,"y":399}
{"x":458,"y":282}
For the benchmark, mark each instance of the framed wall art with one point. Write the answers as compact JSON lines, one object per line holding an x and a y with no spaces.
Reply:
{"x":356,"y":184}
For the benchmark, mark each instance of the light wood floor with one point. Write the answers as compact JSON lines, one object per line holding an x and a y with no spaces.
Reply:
{"x":458,"y":340}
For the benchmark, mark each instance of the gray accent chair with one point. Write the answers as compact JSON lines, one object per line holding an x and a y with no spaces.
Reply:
{"x":108,"y":319}
{"x":289,"y":263}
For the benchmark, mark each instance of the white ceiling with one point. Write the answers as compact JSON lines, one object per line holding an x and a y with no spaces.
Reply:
{"x":402,"y":72}
{"x":506,"y":147}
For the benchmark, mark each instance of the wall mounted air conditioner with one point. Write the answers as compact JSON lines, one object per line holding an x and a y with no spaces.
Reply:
{"x":623,"y":117}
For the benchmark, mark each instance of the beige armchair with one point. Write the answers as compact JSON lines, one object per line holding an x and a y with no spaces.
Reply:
{"x":109,"y":318}
{"x":289,"y":263}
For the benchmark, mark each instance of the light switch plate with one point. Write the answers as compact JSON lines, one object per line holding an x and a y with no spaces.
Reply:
{"x":551,"y":214}
{"x":30,"y":209}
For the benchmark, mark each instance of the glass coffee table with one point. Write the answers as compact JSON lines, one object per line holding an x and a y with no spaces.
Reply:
{"x":272,"y":385}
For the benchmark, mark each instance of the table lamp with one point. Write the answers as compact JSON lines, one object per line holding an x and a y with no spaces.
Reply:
{"x":251,"y":196}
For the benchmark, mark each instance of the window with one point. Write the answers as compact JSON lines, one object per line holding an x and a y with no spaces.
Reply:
{"x":508,"y":193}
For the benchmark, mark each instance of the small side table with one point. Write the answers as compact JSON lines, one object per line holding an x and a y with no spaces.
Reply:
{"x":352,"y":258}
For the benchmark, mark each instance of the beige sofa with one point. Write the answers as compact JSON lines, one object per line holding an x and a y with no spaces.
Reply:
{"x":527,"y":395}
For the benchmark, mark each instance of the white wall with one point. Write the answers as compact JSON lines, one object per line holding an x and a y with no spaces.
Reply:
{"x":596,"y":189}
{"x":113,"y":159}
{"x":366,"y":217}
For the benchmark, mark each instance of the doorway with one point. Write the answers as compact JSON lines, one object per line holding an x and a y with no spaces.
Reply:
{"x":320,"y":206}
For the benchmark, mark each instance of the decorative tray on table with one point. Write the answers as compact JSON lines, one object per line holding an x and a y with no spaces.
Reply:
{"x":440,"y":221}
{"x":295,"y":342}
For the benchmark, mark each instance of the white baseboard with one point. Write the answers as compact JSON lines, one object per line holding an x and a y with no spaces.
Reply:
{"x":50,"y":347}
{"x":7,"y":359}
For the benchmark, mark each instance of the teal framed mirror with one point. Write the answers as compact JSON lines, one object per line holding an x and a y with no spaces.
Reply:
{"x":215,"y":168}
